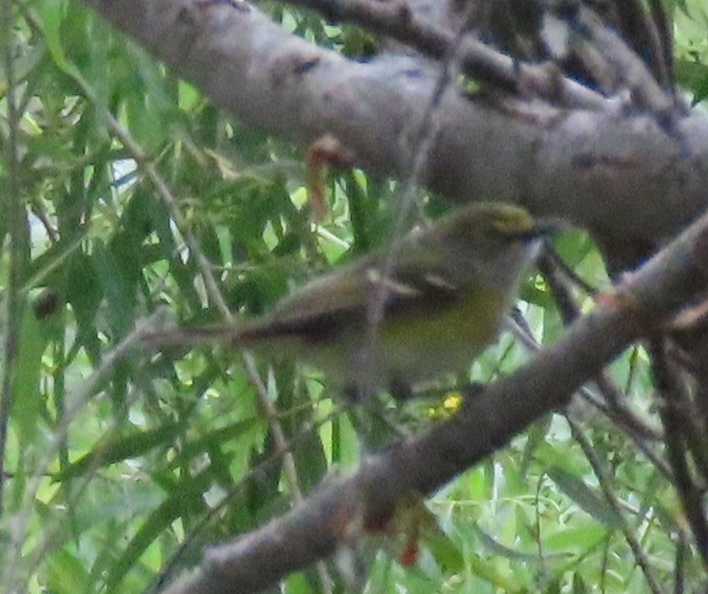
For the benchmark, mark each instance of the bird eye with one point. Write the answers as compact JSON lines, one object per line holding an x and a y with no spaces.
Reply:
{"x":514,"y":223}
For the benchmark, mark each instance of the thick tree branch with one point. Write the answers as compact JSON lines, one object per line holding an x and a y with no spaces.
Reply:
{"x":614,"y":170}
{"x":639,"y":307}
{"x":476,"y":59}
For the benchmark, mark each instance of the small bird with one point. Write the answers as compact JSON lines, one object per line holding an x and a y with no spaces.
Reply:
{"x":424,"y":307}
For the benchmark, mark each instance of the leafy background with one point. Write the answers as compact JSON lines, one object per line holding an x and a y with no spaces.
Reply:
{"x":119,"y":463}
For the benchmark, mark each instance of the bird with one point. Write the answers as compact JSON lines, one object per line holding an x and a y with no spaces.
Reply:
{"x":424,"y":306}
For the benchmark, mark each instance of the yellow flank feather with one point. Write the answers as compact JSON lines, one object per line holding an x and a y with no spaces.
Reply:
{"x":443,"y":342}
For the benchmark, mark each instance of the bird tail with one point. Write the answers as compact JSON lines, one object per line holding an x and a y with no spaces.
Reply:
{"x":187,"y":337}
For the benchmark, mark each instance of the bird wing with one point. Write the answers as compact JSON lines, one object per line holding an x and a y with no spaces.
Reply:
{"x":415,"y":283}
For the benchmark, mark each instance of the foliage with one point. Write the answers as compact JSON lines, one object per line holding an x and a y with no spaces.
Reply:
{"x":121,"y":463}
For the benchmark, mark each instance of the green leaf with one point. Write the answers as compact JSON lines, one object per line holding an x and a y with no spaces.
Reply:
{"x":66,"y":573}
{"x":117,"y":447}
{"x":588,"y":499}
{"x":27,"y":397}
{"x":185,"y":498}
{"x":53,"y":13}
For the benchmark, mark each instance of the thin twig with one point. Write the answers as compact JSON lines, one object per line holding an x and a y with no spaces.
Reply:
{"x":421,"y":145}
{"x":643,"y":87}
{"x":476,"y":59}
{"x":613,"y":407}
{"x":16,"y":224}
{"x":606,"y":484}
{"x":670,"y":391}
{"x":636,"y":428}
{"x":18,"y":244}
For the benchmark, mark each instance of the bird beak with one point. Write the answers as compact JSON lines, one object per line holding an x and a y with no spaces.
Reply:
{"x":546,"y":227}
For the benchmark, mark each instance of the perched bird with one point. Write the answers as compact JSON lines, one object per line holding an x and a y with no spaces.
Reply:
{"x":425,"y":306}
